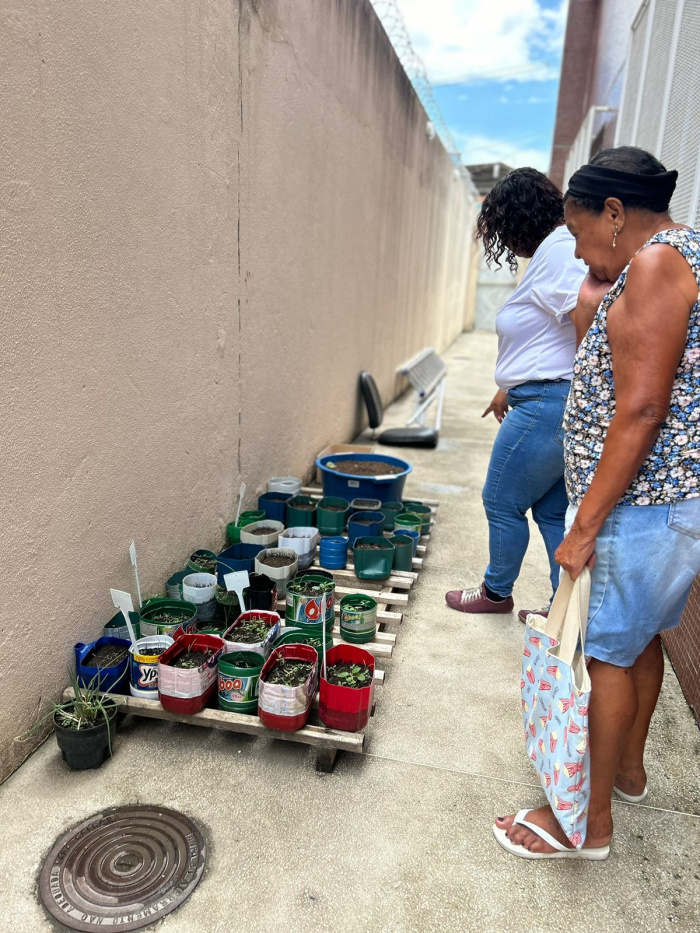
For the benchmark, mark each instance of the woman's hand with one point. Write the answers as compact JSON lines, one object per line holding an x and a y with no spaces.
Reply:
{"x":499,"y":406}
{"x":576,"y":551}
{"x":593,"y":291}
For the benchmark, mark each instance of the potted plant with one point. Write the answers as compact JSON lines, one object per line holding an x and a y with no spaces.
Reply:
{"x":287,"y":687}
{"x":273,"y":504}
{"x":237,"y":557}
{"x":233,"y":529}
{"x":305,"y":604}
{"x":332,"y":515}
{"x":239,"y":672}
{"x":373,"y":556}
{"x":358,"y":618}
{"x":200,"y":590}
{"x":346,"y":690}
{"x":166,"y":616}
{"x":333,"y":553}
{"x":279,"y":563}
{"x":301,"y":512}
{"x":187,"y":673}
{"x":202,"y":561}
{"x":424,"y":512}
{"x":143,"y":665}
{"x":303,"y":541}
{"x":321,"y":576}
{"x":254,"y":630}
{"x":105,"y":661}
{"x":403,"y":552}
{"x":227,"y":606}
{"x":265,"y":532}
{"x":295,"y":636}
{"x":365,"y":523}
{"x":390,"y":510}
{"x":408,"y":520}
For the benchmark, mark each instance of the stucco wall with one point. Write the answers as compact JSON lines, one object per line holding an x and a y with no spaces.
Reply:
{"x":211,"y":222}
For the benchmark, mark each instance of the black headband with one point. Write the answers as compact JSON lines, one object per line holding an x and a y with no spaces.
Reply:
{"x":599,"y":182}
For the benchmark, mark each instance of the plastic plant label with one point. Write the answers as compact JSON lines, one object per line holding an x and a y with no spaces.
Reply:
{"x":237,"y":580}
{"x":132,"y":553}
{"x":122,"y":600}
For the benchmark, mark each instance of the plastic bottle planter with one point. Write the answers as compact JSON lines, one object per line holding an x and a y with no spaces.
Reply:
{"x":295,"y":636}
{"x":200,"y":589}
{"x":166,"y":616}
{"x":373,"y":557}
{"x":291,"y":485}
{"x":408,"y":520}
{"x":83,"y":749}
{"x":262,"y":592}
{"x":188,"y":690}
{"x":202,"y":561}
{"x":303,"y":541}
{"x":365,"y":523}
{"x":239,"y":672}
{"x":403,"y":552}
{"x":173,"y":586}
{"x":358,"y":618}
{"x":424,"y":512}
{"x":346,"y":708}
{"x":113,"y":677}
{"x":263,"y":647}
{"x":332,"y":515}
{"x":321,"y":576}
{"x":273,"y":504}
{"x":305,"y":604}
{"x":301,"y":512}
{"x":333,"y":553}
{"x":280,"y":574}
{"x":116,"y":628}
{"x":233,"y":529}
{"x":283,"y":708}
{"x":409,"y":533}
{"x":237,"y":557}
{"x":251,"y":534}
{"x":366,"y":505}
{"x":390,"y":510}
{"x":143,"y":665}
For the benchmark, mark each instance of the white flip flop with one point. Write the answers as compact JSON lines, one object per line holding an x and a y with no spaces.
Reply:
{"x":593,"y":855}
{"x":631,"y":798}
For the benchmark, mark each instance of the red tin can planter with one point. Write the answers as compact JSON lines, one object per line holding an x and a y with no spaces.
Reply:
{"x":188,"y":690}
{"x":346,"y":708}
{"x":286,"y":709}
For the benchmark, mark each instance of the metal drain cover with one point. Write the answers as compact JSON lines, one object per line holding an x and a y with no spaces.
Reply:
{"x":123,"y":869}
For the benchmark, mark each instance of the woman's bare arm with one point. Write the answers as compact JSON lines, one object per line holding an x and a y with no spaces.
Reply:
{"x":590,"y":296}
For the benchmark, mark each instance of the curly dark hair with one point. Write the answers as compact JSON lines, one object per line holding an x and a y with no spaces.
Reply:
{"x":624,"y":159}
{"x":519,"y":212}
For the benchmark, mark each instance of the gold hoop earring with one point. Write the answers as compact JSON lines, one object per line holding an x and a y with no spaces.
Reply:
{"x":614,"y":243}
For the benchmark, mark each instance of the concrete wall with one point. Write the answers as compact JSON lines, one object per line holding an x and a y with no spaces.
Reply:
{"x":212,"y":219}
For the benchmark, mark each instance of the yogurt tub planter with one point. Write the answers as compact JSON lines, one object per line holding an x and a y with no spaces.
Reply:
{"x":366,"y":476}
{"x":365,"y":523}
{"x":409,"y":533}
{"x":166,"y":616}
{"x":358,"y":618}
{"x":301,"y":512}
{"x":254,"y":630}
{"x":332,"y":515}
{"x":346,"y":693}
{"x":305,"y":604}
{"x":233,"y":529}
{"x":303,"y":541}
{"x":202,"y":561}
{"x":265,"y":532}
{"x":390,"y":510}
{"x":143,"y":665}
{"x":403,"y":552}
{"x":200,"y":590}
{"x":237,"y":557}
{"x":287,"y":484}
{"x":187,"y":673}
{"x":278,"y":563}
{"x":408,"y":520}
{"x":373,"y":558}
{"x":239,"y":672}
{"x":287,"y":687}
{"x":365,"y":505}
{"x":104,"y":663}
{"x":333,"y":553}
{"x":273,"y":504}
{"x":116,"y":627}
{"x":424,"y":512}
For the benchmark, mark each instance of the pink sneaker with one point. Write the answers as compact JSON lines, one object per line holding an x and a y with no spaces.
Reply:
{"x":524,"y":613}
{"x":476,"y":600}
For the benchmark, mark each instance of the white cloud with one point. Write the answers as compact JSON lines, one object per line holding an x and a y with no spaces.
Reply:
{"x":468,"y":40}
{"x":477,"y":149}
{"x":503,"y":99}
{"x":539,"y":100}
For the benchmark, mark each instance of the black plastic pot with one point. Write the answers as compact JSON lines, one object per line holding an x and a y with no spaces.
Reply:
{"x":83,"y":749}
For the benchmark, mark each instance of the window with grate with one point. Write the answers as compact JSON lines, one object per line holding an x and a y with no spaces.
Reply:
{"x":653,"y":93}
{"x":633,"y":81}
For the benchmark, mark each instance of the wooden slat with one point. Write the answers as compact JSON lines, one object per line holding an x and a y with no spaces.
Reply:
{"x":401,"y":579}
{"x":383,"y":615}
{"x":376,"y":649}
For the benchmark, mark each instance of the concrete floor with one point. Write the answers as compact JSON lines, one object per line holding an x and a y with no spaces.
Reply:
{"x":399,"y":839}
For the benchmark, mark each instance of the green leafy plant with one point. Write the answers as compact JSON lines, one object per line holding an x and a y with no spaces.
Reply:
{"x":289,"y":673}
{"x":349,"y":675}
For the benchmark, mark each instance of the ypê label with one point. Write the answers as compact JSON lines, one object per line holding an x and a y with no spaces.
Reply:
{"x":144,"y":672}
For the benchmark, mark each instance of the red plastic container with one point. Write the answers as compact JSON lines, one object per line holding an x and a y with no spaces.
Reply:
{"x":188,"y":691}
{"x":286,"y":709}
{"x":345,"y":707}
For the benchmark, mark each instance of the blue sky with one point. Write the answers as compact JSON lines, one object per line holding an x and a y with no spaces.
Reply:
{"x":494,"y":66}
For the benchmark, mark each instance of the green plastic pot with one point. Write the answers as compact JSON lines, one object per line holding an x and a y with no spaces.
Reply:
{"x":304,"y":611}
{"x":297,"y":636}
{"x":194,"y":566}
{"x":403,"y":552}
{"x":358,"y":619}
{"x":238,"y":686}
{"x":373,"y":563}
{"x":408,"y":520}
{"x":187,"y":612}
{"x":298,"y":517}
{"x":390,"y":510}
{"x":331,"y":521}
{"x":424,"y":512}
{"x":233,"y":529}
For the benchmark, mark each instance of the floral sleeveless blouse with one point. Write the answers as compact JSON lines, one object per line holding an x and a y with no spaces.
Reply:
{"x":672,"y":469}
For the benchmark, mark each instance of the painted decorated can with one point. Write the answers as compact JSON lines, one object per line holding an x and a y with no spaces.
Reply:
{"x":143,"y":665}
{"x":358,"y":618}
{"x":239,"y":673}
{"x":305,"y":602}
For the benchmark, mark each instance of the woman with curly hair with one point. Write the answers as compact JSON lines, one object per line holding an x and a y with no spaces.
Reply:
{"x":523,"y":216}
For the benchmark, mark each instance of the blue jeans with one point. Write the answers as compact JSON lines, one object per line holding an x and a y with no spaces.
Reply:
{"x":526,"y":472}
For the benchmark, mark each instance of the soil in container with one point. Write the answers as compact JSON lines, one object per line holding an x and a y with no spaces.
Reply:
{"x":277,"y":560}
{"x":193,"y":659}
{"x":204,"y":562}
{"x":369,"y":547}
{"x":289,"y":672}
{"x":264,"y":530}
{"x":253,"y":631}
{"x":106,"y":656}
{"x":153,"y":652}
{"x":349,"y":675}
{"x":366,"y":468}
{"x":239,"y":660}
{"x":335,"y":508}
{"x":165,"y":617}
{"x":364,"y":521}
{"x":306,"y":587}
{"x":305,"y":506}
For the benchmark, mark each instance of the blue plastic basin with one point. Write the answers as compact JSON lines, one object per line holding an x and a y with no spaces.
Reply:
{"x":351,"y":487}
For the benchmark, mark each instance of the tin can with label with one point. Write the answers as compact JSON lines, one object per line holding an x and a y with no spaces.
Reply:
{"x":143,"y":665}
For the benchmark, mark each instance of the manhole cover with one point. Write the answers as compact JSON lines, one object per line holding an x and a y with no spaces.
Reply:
{"x":123,"y":868}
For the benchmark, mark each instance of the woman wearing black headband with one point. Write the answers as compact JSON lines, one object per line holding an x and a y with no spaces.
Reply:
{"x":632,"y":455}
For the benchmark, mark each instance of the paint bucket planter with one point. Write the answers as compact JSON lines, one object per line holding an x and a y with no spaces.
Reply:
{"x":295,"y":636}
{"x":304,"y":608}
{"x":235,"y":558}
{"x":173,"y":586}
{"x":346,"y":708}
{"x":166,"y":616}
{"x":283,"y":708}
{"x":382,"y":486}
{"x":202,"y":561}
{"x":271,"y":620}
{"x":332,"y":515}
{"x":287,"y":484}
{"x":301,"y":512}
{"x":83,"y":749}
{"x":390,"y":510}
{"x":114,"y":678}
{"x":281,"y":575}
{"x":116,"y":627}
{"x":239,"y":672}
{"x":409,"y":533}
{"x":373,"y":563}
{"x":408,"y":520}
{"x":200,"y":590}
{"x":188,"y":690}
{"x":424,"y":512}
{"x":333,"y":553}
{"x":303,"y":541}
{"x":358,"y":618}
{"x":233,"y":529}
{"x":403,"y":552}
{"x":262,"y":592}
{"x":143,"y":665}
{"x":249,"y":535}
{"x":364,"y":524}
{"x":273,"y":504}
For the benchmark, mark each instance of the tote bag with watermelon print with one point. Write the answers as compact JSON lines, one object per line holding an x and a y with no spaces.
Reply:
{"x":555,"y":690}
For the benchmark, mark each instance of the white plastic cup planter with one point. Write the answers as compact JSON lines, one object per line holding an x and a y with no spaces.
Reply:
{"x":303,"y":541}
{"x":268,"y":540}
{"x":288,"y":484}
{"x":200,"y":589}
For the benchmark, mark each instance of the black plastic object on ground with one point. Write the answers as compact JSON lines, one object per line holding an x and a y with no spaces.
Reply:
{"x":418,"y":436}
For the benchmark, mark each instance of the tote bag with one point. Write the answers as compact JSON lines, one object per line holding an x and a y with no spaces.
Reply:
{"x":555,"y":691}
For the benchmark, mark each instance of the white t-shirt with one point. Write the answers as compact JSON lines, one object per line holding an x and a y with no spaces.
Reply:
{"x":536,"y":337}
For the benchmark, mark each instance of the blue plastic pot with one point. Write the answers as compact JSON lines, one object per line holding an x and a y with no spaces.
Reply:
{"x":273,"y":504}
{"x":374,"y":529}
{"x":237,"y":557}
{"x":333,"y":553}
{"x":115,"y":679}
{"x":351,"y":487}
{"x":413,"y":535}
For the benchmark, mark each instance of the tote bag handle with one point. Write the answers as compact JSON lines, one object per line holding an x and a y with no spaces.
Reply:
{"x":568,"y":615}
